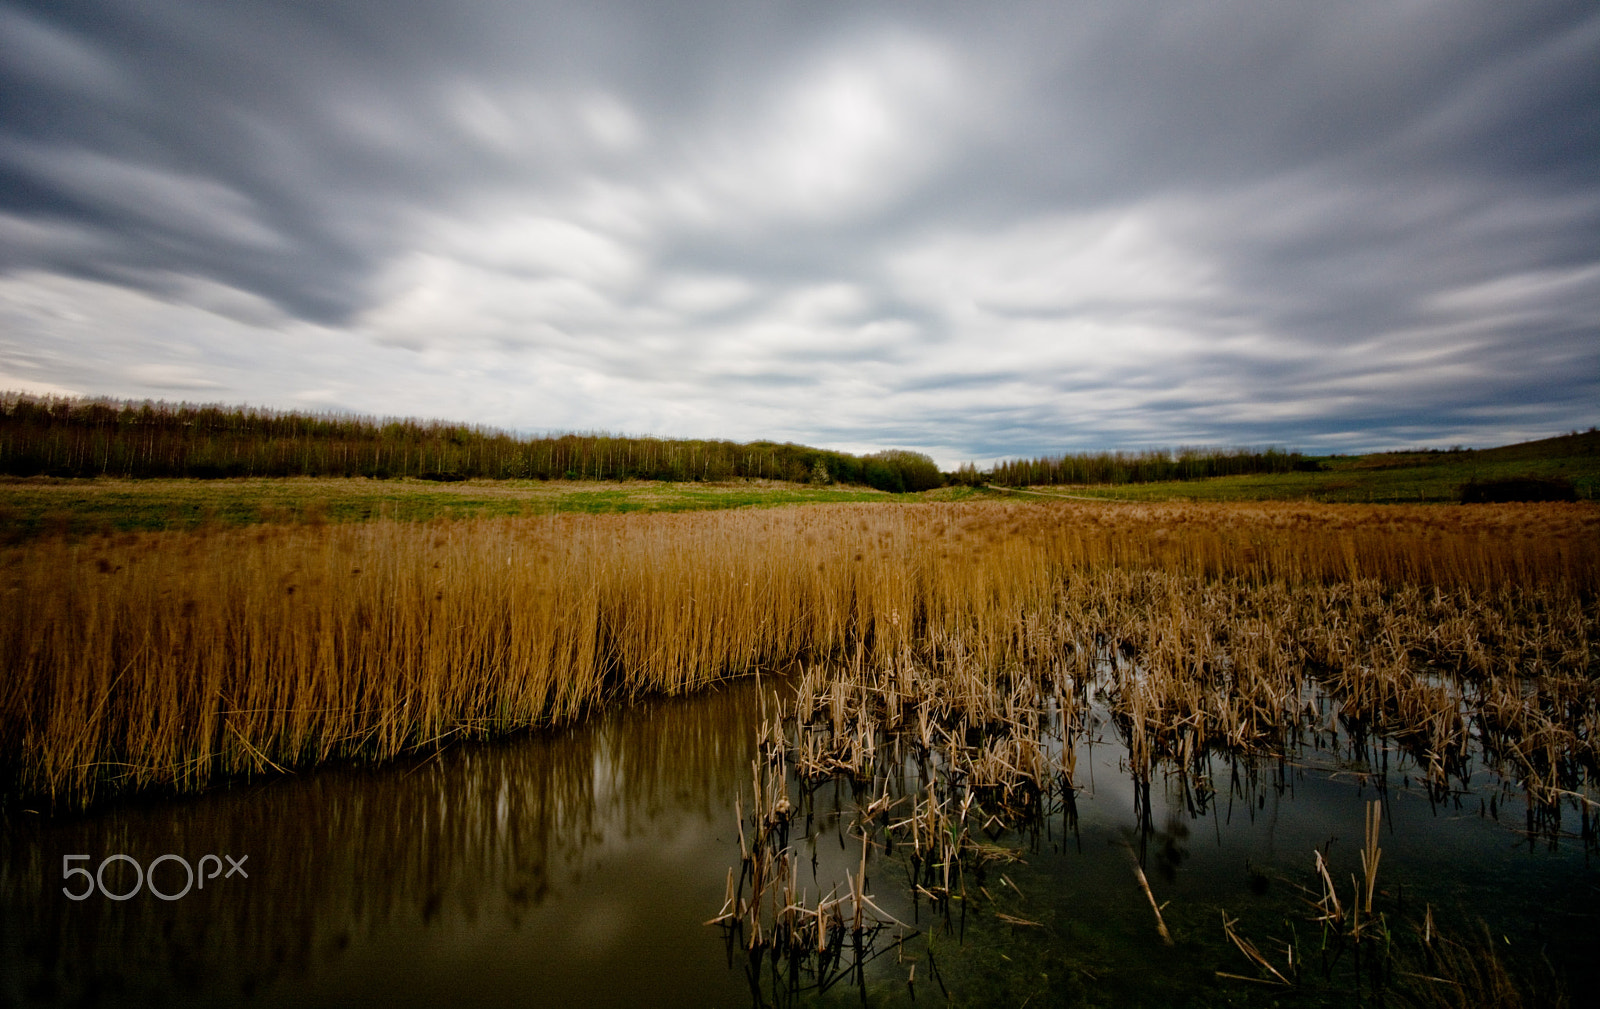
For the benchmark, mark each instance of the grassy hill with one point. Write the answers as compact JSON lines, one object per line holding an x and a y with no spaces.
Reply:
{"x":1385,"y":477}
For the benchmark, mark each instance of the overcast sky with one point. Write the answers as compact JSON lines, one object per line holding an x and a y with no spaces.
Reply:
{"x":977,"y":230}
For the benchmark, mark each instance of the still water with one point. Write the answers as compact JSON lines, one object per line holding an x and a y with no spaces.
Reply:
{"x":577,"y":867}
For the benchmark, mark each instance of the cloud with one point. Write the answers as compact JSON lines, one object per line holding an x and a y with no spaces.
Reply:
{"x":850,"y":132}
{"x":36,"y":51}
{"x":697,"y":295}
{"x":147,"y":197}
{"x":988,"y":232}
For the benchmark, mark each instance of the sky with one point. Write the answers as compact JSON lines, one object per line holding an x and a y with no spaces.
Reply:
{"x":979,"y":231}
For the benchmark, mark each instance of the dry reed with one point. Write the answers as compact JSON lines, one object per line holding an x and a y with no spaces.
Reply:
{"x":167,"y":660}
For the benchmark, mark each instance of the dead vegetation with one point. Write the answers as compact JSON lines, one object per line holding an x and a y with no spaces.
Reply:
{"x":168,"y":660}
{"x":962,"y":736}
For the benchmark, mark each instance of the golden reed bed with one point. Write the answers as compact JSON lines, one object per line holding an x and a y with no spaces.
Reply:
{"x":170,"y":659}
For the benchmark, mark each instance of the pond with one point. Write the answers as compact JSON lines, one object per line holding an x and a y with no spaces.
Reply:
{"x":579,"y":867}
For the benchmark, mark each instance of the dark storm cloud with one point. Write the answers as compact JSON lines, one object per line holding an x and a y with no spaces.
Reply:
{"x":983,"y":231}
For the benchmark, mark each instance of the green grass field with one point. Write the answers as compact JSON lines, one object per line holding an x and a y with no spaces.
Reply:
{"x":40,"y":505}
{"x":34,"y":506}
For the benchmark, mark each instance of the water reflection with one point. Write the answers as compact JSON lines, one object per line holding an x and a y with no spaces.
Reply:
{"x":578,"y":867}
{"x":1073,"y":919}
{"x":560,"y":868}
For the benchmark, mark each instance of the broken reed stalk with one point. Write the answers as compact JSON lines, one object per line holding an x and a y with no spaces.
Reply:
{"x":1332,"y":910}
{"x":1371,"y":853}
{"x":1144,"y":885}
{"x":1251,"y":953}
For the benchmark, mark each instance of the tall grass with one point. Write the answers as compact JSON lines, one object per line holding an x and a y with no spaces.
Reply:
{"x":169,"y":659}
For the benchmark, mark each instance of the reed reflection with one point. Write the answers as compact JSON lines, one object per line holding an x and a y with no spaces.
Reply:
{"x":355,"y":863}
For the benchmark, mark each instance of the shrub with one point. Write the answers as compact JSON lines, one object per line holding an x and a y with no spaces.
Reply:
{"x":1518,"y":488}
{"x":912,"y":471}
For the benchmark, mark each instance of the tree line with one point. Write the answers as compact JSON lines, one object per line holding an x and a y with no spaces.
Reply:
{"x":1146,"y":467}
{"x":83,"y":438}
{"x":66,"y":437}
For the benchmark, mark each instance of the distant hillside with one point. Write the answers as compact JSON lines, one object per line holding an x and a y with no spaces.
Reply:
{"x":1578,"y":443}
{"x":1558,"y":468}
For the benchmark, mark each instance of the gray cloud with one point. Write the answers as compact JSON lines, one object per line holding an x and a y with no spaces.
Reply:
{"x":982,"y":232}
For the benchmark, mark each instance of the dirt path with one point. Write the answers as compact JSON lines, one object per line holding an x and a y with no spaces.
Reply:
{"x":1068,"y":497}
